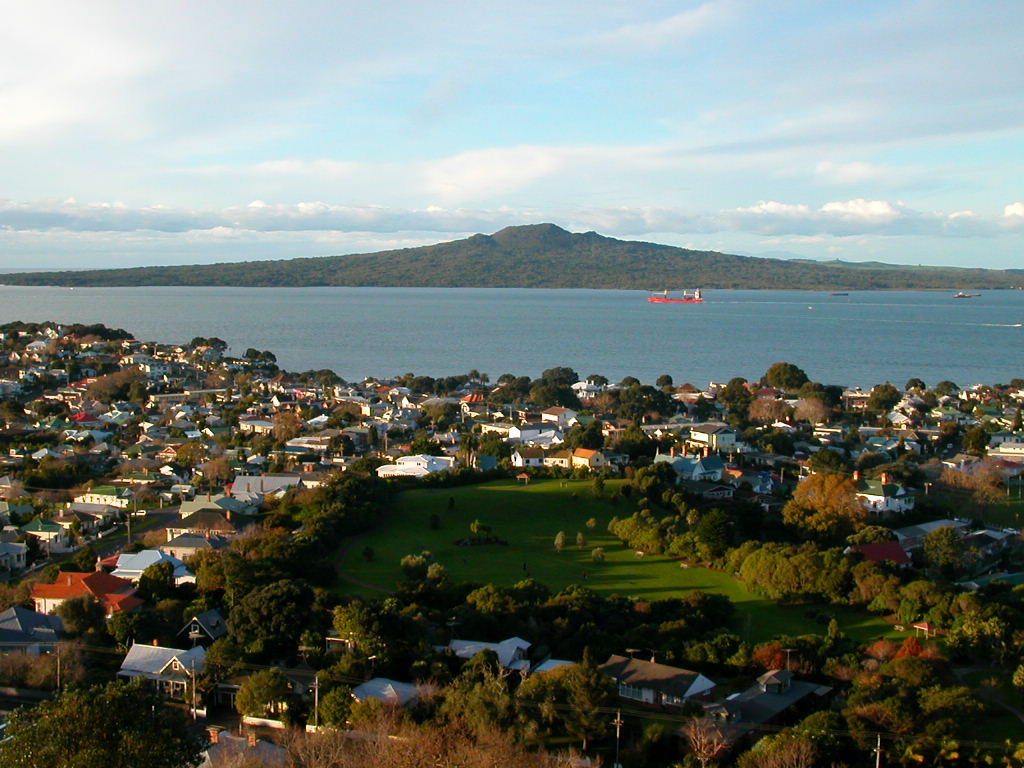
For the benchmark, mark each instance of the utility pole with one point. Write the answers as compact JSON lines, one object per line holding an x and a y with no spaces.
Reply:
{"x":617,"y":722}
{"x":878,"y":751}
{"x":193,"y":689}
{"x":58,"y":666}
{"x":316,"y":700}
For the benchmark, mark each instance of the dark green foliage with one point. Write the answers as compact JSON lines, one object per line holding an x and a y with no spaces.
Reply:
{"x":268,"y":621}
{"x":119,"y":726}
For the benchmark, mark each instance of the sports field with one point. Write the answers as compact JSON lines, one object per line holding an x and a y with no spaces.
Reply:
{"x":528,"y":517}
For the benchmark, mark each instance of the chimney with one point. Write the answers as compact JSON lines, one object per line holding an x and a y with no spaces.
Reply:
{"x":251,"y":736}
{"x":672,"y":453}
{"x":856,"y":475}
{"x":214,"y":734}
{"x":886,"y":478}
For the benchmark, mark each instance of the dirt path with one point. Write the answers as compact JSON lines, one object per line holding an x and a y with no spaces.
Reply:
{"x":339,"y":567}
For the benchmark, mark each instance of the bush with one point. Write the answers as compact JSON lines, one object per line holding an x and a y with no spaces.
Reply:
{"x":597,"y":554}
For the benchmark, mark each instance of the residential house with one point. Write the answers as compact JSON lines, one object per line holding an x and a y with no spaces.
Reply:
{"x":528,"y":456}
{"x":713,"y":437}
{"x":252,"y":489}
{"x":390,"y":692}
{"x":131,"y":566}
{"x":51,"y":536}
{"x":26,"y":631}
{"x":562,"y":417}
{"x":226,"y":750}
{"x":882,"y":552}
{"x":694,"y":468}
{"x":208,"y":523}
{"x":116,"y":595}
{"x":775,"y":695}
{"x":185,"y":545}
{"x":108,"y":495}
{"x":204,"y":628}
{"x":13,"y":557}
{"x":912,"y":536}
{"x":655,"y":684}
{"x":561,"y":459}
{"x":588,"y":458}
{"x":883,"y":496}
{"x":511,"y":652}
{"x":416,"y":466}
{"x":171,"y":669}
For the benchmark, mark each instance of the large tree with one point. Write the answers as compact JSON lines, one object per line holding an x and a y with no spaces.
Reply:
{"x":785,"y":376}
{"x":825,"y":506}
{"x":119,"y":726}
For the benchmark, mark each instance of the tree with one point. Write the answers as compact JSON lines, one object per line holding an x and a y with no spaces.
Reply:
{"x":766,"y":410}
{"x":157,"y":581}
{"x":81,"y":614}
{"x":976,"y":440}
{"x":268,"y":620}
{"x":581,"y":540}
{"x":706,"y":739}
{"x":785,"y":376}
{"x":597,"y":554}
{"x":560,"y":541}
{"x":286,"y":425}
{"x":825,"y":506}
{"x":263,"y":693}
{"x":119,"y":726}
{"x":828,"y":461}
{"x":883,"y":398}
{"x":812,"y":410}
{"x":942,"y":551}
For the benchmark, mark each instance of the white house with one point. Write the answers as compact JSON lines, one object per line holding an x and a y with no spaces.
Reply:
{"x":416,"y":466}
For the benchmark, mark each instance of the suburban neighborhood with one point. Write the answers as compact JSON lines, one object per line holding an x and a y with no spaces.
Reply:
{"x":608,"y":572}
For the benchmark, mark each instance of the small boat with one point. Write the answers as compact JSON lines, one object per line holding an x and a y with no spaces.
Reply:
{"x":964,"y":295}
{"x":840,"y":293}
{"x":687,"y":297}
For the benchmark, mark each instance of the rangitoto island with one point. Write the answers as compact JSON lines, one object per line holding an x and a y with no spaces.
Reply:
{"x":541,"y":256}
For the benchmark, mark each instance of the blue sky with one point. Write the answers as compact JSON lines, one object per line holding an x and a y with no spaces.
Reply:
{"x":192,"y":132}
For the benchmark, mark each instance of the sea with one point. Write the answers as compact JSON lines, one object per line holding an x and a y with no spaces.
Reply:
{"x":858,"y":339}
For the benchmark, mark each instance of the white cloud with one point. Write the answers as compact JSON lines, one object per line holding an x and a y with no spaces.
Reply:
{"x":673,"y":29}
{"x":1014,"y":210}
{"x":875,"y":210}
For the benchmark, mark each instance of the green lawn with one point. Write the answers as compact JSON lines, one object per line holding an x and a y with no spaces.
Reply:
{"x":529,"y":517}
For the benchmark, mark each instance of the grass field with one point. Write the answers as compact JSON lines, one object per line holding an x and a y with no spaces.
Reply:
{"x":529,"y":517}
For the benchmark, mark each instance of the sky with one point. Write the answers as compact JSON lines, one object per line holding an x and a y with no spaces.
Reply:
{"x":197,"y":132}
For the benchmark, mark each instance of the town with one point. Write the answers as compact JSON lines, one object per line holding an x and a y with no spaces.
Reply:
{"x":282,"y":566}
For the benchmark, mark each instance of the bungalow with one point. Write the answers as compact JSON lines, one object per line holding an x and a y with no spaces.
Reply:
{"x":588,"y":458}
{"x":131,"y":566}
{"x":416,"y":466}
{"x":528,"y":456}
{"x":511,"y":652}
{"x":655,"y":684}
{"x":912,"y":537}
{"x":106,"y":494}
{"x":185,"y":545}
{"x":115,"y":594}
{"x":171,"y":669}
{"x":13,"y":557}
{"x":28,"y":631}
{"x":561,"y":459}
{"x":252,"y":489}
{"x":205,"y":522}
{"x":391,"y":692}
{"x":562,"y":417}
{"x":694,"y":468}
{"x":52,"y":537}
{"x":882,"y":552}
{"x":204,"y":628}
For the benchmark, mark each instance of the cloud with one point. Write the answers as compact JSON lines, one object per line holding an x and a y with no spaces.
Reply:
{"x":839,"y":218}
{"x":643,"y":36}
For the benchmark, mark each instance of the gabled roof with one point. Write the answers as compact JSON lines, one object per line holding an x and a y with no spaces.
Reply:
{"x":672,"y":681}
{"x":505,"y":650}
{"x":212,"y":623}
{"x":115,"y":593}
{"x":882,"y":551}
{"x":152,"y":661}
{"x":19,"y":624}
{"x":389,"y":691}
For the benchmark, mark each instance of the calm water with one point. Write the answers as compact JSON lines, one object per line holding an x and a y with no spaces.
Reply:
{"x":861,"y":339}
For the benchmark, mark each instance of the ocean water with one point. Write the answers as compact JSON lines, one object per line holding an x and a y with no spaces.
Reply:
{"x":862,"y":339}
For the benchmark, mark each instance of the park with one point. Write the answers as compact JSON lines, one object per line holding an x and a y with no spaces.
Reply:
{"x":527,"y":517}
